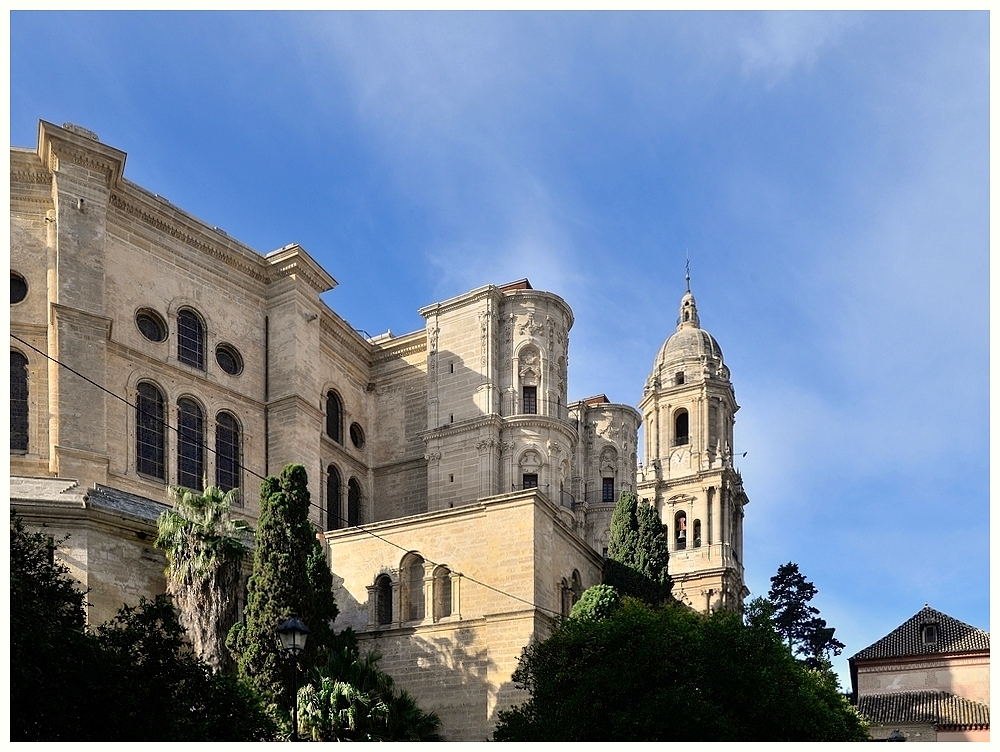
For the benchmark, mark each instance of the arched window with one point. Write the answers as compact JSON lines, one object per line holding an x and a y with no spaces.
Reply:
{"x":413,"y":587}
{"x":190,"y":441}
{"x":383,"y":600}
{"x":442,"y":593}
{"x":697,"y":533}
{"x":18,"y":400}
{"x":227,"y":452}
{"x":576,"y":588}
{"x":150,"y":432}
{"x":353,"y":502}
{"x":332,"y":498}
{"x":334,"y":417}
{"x":681,"y":428}
{"x":680,"y":531}
{"x":190,"y":339}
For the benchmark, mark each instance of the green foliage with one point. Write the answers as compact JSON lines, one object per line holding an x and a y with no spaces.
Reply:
{"x":597,"y":602}
{"x":131,"y":681}
{"x":638,"y":552}
{"x":669,"y":674}
{"x":205,"y":548}
{"x":349,"y":699}
{"x":799,"y":623}
{"x":290,"y":577}
{"x":50,"y":654}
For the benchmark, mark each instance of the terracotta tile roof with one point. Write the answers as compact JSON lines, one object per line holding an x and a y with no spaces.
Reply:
{"x":953,"y":636}
{"x":924,"y":706}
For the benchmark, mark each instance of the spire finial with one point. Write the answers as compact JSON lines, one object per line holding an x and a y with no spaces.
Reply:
{"x":687,"y":273}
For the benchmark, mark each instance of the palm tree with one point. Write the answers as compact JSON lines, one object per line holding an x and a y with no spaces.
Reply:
{"x":205,"y":548}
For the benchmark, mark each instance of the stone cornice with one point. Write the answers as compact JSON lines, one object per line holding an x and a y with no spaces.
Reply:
{"x":339,"y":330}
{"x":150,"y":211}
{"x":920,"y":662}
{"x":473,"y":296}
{"x":491,"y":421}
{"x":293,"y":261}
{"x":400,"y":347}
{"x":57,"y":145}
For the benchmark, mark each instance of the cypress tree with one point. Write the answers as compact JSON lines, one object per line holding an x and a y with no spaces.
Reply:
{"x":290,"y":578}
{"x":637,"y":552}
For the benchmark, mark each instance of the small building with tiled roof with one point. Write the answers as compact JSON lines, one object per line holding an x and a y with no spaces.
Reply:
{"x":927,"y":680}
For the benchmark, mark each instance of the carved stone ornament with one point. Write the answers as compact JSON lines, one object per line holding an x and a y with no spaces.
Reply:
{"x":430,"y":456}
{"x":530,"y":327}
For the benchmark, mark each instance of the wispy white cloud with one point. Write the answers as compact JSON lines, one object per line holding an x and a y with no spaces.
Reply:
{"x":781,"y":42}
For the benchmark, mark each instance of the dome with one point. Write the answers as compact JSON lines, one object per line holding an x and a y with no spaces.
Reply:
{"x":689,"y":342}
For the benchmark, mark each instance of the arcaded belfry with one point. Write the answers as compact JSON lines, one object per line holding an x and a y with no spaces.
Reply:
{"x":687,"y":408}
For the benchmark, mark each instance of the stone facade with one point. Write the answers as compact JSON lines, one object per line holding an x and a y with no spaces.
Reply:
{"x":150,"y":349}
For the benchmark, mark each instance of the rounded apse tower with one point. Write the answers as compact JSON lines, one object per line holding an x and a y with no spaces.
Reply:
{"x":688,"y":408}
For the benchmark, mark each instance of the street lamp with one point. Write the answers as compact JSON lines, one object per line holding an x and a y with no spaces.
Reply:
{"x":293,"y":634}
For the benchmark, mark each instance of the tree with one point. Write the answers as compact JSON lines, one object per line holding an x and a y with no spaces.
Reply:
{"x":637,"y":552}
{"x":290,"y":577}
{"x":132,"y":680}
{"x":667,"y":673}
{"x":597,"y":602}
{"x":205,"y":548}
{"x":799,"y":623}
{"x":348,"y":698}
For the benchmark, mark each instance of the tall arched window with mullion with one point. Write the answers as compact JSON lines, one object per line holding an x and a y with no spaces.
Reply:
{"x":227,"y":452}
{"x":334,"y":417}
{"x":190,"y":445}
{"x":190,"y":339}
{"x":332,"y":498}
{"x":150,"y":433}
{"x":18,"y":402}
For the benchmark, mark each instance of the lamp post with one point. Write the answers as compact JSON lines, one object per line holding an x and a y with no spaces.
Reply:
{"x":293,"y":635}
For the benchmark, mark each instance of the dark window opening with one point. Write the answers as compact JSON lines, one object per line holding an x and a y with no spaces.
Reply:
{"x":353,"y":503}
{"x":229,"y":360}
{"x":929,"y":634}
{"x":697,"y":533}
{"x":681,"y":428}
{"x":18,"y":288}
{"x":607,"y":489}
{"x":383,"y":600}
{"x":357,"y":436}
{"x":334,"y":409}
{"x":530,"y":400}
{"x":680,"y":528}
{"x":227,"y":452}
{"x":413,"y":594}
{"x":190,"y":339}
{"x":18,"y":402}
{"x":442,"y":593}
{"x":332,"y":498}
{"x":190,"y":438}
{"x":150,"y":325}
{"x":529,"y":480}
{"x":679,"y":378}
{"x":150,"y":432}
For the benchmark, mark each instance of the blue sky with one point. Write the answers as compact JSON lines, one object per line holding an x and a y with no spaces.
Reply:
{"x":827,"y":172}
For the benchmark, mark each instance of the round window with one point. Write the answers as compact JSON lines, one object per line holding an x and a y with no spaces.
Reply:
{"x":151,"y":325}
{"x":229,"y":359}
{"x":18,"y":288}
{"x":357,"y":435}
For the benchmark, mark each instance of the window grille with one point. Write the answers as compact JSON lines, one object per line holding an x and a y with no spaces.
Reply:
{"x":353,"y":502}
{"x":190,"y":340}
{"x":530,"y":401}
{"x":332,"y":498}
{"x":150,"y":432}
{"x":227,"y":452}
{"x":607,"y":489}
{"x":529,"y":480}
{"x":190,"y":438}
{"x":18,"y":401}
{"x":334,"y":423}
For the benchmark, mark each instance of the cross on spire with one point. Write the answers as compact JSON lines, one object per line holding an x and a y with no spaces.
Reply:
{"x":687,"y":274}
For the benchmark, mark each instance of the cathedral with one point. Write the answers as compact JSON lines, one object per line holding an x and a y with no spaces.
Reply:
{"x":463,"y":498}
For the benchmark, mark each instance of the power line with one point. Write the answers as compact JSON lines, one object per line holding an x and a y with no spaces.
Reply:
{"x":261,"y":477}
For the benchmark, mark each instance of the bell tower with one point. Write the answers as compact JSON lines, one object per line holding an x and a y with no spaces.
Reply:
{"x":688,"y":408}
